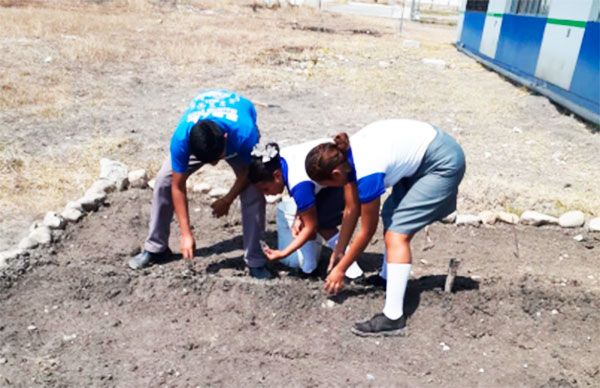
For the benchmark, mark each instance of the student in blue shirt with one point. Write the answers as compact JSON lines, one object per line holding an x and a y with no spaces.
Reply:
{"x":318,"y":209}
{"x":423,"y":165}
{"x":218,"y":124}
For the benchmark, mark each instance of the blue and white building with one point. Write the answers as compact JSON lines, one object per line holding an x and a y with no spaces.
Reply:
{"x":550,"y":46}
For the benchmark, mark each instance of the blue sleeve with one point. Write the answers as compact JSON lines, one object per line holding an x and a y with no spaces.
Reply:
{"x":304,"y":195}
{"x":180,"y":152}
{"x":371,"y":187}
{"x":352,"y":174}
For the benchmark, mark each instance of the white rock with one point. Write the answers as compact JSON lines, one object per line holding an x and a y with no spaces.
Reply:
{"x":437,"y":63}
{"x":74,"y":205}
{"x":467,"y":219}
{"x":35,"y":225}
{"x":54,"y":221}
{"x":7,"y":256}
{"x":91,"y":201}
{"x":151,"y":183}
{"x":203,"y":188}
{"x":42,"y":234}
{"x":508,"y":218}
{"x":72,"y":214}
{"x":114,"y":171}
{"x":217,"y":192}
{"x":138,"y":179}
{"x":370,"y":377}
{"x":536,"y":219}
{"x":328,"y":304}
{"x":3,"y":361}
{"x":68,"y":338}
{"x":408,"y":43}
{"x":450,"y":218}
{"x":488,"y":217}
{"x":383,"y":64}
{"x":28,"y":243}
{"x":572,"y":219}
{"x":31,"y":328}
{"x":102,"y":185}
{"x":48,"y":59}
{"x":273,"y":198}
{"x":579,"y":238}
{"x":594,"y":225}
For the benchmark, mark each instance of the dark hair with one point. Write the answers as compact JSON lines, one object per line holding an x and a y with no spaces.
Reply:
{"x":322,"y":159}
{"x":207,"y":141}
{"x":260,"y":171}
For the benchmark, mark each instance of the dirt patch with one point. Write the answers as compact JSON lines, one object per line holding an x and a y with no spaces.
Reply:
{"x":75,"y":315}
{"x":111,"y":79}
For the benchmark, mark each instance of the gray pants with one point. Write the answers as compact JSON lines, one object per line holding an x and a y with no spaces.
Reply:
{"x":161,"y":215}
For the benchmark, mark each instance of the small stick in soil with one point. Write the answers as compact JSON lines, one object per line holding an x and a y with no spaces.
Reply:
{"x":452,"y":269}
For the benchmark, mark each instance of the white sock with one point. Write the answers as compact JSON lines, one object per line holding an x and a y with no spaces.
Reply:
{"x":397,"y":281}
{"x":354,"y":270}
{"x":383,"y":272}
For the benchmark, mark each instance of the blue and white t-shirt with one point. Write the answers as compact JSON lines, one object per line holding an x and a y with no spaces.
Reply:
{"x":302,"y":189}
{"x":386,"y":151}
{"x":235,"y":114}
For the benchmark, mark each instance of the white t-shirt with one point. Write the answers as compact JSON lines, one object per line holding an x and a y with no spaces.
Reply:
{"x":297,"y":181}
{"x":386,"y":151}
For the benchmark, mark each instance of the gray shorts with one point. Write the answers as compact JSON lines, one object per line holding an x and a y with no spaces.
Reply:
{"x":430,"y":193}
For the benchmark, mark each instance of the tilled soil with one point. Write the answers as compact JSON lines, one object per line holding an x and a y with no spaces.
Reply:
{"x":524,"y":311}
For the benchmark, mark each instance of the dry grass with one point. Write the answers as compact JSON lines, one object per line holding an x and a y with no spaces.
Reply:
{"x":59,"y":54}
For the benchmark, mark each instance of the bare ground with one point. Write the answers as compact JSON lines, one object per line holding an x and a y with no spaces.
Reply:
{"x":524,"y":312}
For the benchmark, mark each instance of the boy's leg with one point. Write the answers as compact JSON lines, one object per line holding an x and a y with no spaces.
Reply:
{"x":162,"y":210}
{"x":253,"y":221}
{"x":161,"y":215}
{"x":392,"y":320}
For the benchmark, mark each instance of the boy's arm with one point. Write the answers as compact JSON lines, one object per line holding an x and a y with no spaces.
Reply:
{"x":349,"y":221}
{"x":369,"y":218}
{"x":180,"y":203}
{"x":221,"y":206}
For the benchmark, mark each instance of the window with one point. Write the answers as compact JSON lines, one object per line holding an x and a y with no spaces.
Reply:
{"x":477,"y":5}
{"x":530,"y":7}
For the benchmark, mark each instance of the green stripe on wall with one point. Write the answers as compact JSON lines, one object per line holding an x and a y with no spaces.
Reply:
{"x":496,"y":15}
{"x":565,"y":22}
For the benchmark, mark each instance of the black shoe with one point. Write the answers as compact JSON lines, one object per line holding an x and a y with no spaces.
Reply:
{"x":145,"y":258}
{"x":261,"y":273}
{"x":380,"y":326}
{"x":360,"y":281}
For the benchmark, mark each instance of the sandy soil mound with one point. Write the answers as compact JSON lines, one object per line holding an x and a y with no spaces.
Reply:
{"x":75,"y":315}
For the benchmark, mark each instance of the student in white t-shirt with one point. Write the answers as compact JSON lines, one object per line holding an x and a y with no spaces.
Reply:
{"x":319,"y":210}
{"x":424,"y":165}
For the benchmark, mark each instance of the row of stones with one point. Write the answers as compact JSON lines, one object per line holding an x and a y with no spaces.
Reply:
{"x":570,"y":219}
{"x":114,"y":176}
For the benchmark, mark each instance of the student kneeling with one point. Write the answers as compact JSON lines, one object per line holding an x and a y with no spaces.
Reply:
{"x":318,"y":210}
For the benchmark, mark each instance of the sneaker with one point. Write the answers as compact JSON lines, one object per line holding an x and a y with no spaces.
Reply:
{"x":261,"y":273}
{"x":145,"y":258}
{"x":380,"y":326}
{"x":358,"y":281}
